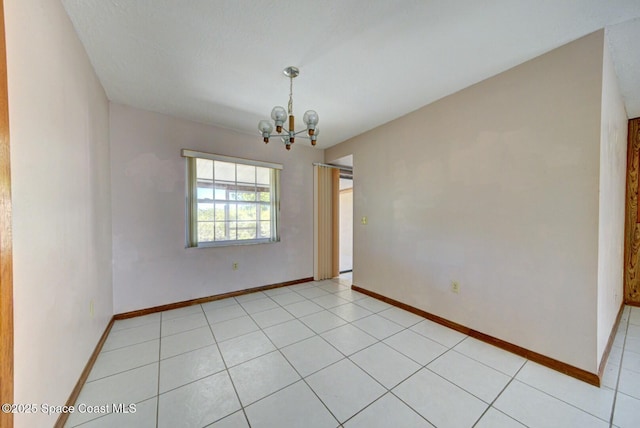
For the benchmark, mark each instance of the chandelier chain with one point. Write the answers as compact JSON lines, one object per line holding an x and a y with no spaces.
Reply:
{"x":290,"y":106}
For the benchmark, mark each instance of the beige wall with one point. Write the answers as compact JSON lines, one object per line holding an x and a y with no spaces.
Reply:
{"x":495,"y":187}
{"x":613,"y":157}
{"x":150,"y":264}
{"x":61,"y":200}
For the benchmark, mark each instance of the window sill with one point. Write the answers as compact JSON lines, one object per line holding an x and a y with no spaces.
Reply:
{"x":234,"y":243}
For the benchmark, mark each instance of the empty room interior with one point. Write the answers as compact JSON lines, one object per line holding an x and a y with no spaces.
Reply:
{"x":180,"y":245}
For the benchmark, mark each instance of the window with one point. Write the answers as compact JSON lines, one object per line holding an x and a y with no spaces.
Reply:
{"x":231,"y":201}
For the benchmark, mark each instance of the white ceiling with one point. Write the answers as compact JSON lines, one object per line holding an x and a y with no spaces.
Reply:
{"x":362,"y":62}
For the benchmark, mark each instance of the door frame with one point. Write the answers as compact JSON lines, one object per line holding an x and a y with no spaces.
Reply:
{"x":6,"y":242}
{"x":632,"y":214}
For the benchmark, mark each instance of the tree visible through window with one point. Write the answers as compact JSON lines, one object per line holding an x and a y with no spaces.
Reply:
{"x":231,"y":200}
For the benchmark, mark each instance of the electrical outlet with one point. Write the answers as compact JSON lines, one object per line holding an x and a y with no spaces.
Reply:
{"x":455,"y":287}
{"x":364,"y":220}
{"x":235,"y":265}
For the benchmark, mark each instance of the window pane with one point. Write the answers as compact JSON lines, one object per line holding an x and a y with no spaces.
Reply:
{"x":205,"y":212}
{"x":221,"y":212}
{"x":232,"y":193}
{"x":221,"y":231}
{"x":205,"y":232}
{"x":204,"y":193}
{"x":246,"y":195}
{"x":246,"y":174}
{"x":226,"y":212}
{"x":247,"y":230}
{"x":204,"y":168}
{"x":265,"y":230}
{"x":265,"y":212}
{"x":221,"y":194}
{"x":246,"y":212}
{"x":233,"y":212}
{"x":224,"y":171}
{"x":264,"y":196}
{"x":263,"y":175}
{"x":233,"y":235}
{"x":223,"y":190}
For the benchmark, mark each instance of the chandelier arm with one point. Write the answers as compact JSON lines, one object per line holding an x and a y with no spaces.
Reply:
{"x":300,"y":132}
{"x":306,"y":137}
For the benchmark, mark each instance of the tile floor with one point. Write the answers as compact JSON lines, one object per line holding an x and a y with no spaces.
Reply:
{"x":321,"y":355}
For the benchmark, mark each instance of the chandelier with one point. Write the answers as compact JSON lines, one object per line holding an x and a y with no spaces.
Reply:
{"x":279,"y":115}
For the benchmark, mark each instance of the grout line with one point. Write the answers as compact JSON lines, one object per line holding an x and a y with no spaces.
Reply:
{"x":127,"y":346}
{"x":389,"y":392}
{"x":588,"y":412}
{"x":122,"y":329}
{"x":120,"y":372}
{"x":187,"y":330}
{"x":191,"y":382}
{"x":186,"y":352}
{"x":226,"y":368}
{"x":455,"y":384}
{"x":417,"y":362}
{"x":158,"y":380}
{"x":407,"y":404}
{"x":615,"y":393}
{"x":498,"y":396}
{"x":484,"y":364}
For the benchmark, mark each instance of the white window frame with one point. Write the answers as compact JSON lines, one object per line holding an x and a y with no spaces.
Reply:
{"x":191,"y":214}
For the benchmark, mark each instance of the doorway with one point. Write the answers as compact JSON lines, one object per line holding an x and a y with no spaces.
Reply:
{"x":333,"y":219}
{"x":345,"y":224}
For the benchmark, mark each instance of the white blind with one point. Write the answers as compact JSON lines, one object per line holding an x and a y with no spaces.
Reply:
{"x":186,"y":153}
